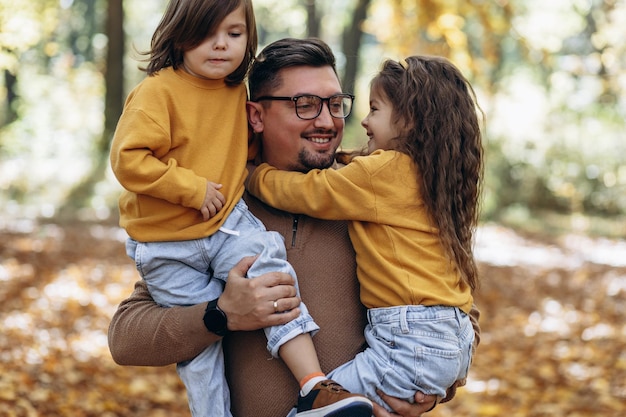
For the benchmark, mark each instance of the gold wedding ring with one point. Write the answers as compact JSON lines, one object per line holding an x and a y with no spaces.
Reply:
{"x":276,"y":306}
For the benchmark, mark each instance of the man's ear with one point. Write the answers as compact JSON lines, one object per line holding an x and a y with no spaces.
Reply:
{"x":255,"y":116}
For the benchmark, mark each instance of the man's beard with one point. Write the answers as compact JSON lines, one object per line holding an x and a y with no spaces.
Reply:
{"x":308,"y":161}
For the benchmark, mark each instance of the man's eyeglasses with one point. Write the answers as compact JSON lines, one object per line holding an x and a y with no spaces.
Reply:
{"x":309,"y":106}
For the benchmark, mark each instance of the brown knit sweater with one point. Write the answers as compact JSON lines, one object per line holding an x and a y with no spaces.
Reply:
{"x":141,"y":333}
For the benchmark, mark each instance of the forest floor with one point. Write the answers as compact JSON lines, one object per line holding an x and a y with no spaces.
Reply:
{"x":553,"y":327}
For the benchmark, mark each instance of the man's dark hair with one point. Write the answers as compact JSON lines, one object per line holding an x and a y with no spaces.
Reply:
{"x":264,"y":74}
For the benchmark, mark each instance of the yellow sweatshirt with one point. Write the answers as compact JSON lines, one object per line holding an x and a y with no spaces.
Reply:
{"x":176,"y":132}
{"x":400,"y":260}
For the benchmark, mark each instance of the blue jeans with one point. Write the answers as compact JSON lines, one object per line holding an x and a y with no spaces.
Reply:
{"x":410,"y":348}
{"x":195,"y":271}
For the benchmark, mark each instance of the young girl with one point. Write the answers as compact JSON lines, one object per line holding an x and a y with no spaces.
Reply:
{"x":412,"y":204}
{"x":180,"y":151}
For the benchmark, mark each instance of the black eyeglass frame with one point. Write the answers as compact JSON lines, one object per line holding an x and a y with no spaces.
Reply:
{"x":322,"y":100}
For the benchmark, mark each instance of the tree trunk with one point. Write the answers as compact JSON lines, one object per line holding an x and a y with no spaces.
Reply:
{"x":114,"y":74}
{"x":114,"y":101}
{"x":10,"y":83}
{"x":312,"y":21}
{"x":352,"y":44}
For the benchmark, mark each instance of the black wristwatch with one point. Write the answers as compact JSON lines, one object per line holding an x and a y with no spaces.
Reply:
{"x":215,"y":319}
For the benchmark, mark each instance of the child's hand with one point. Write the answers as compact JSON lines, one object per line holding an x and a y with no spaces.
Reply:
{"x":213,"y":201}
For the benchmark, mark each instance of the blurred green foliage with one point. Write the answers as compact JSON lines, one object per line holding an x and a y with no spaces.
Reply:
{"x":551,"y":78}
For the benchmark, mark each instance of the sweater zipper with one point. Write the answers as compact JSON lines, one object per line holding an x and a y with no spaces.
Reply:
{"x":294,"y":230}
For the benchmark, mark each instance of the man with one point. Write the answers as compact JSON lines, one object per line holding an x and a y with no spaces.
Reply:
{"x":141,"y":333}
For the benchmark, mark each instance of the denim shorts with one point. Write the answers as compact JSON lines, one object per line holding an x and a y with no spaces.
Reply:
{"x":410,"y":348}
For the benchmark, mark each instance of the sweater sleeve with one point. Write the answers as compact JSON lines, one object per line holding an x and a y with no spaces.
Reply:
{"x":142,"y":333}
{"x":326,"y":194}
{"x":140,"y":163}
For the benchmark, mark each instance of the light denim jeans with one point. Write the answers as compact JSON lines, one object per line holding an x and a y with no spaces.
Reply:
{"x":195,"y":271}
{"x":410,"y":348}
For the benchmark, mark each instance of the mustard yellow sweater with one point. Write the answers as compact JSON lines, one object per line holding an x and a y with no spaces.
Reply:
{"x":400,"y":260}
{"x":176,"y":132}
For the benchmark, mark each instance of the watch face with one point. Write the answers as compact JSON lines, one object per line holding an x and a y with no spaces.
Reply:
{"x":215,"y":320}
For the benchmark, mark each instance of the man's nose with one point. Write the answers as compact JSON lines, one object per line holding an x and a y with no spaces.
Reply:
{"x":324,"y":118}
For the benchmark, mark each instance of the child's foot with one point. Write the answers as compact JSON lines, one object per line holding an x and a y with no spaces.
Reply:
{"x":329,"y":399}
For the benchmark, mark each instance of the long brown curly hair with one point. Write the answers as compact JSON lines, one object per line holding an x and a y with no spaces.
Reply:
{"x":436,"y":111}
{"x":186,"y":23}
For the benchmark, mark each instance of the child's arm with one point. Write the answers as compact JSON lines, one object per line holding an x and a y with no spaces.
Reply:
{"x":326,"y":194}
{"x":142,"y":161}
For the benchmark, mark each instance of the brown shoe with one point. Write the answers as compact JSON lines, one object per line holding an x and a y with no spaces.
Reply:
{"x":329,"y":399}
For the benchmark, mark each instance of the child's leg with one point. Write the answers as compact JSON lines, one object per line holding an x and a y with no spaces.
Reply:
{"x":176,"y":273}
{"x":173,"y":282}
{"x":320,"y":397}
{"x":242,"y":234}
{"x":207,"y":389}
{"x":301,"y":358}
{"x":293,"y":342}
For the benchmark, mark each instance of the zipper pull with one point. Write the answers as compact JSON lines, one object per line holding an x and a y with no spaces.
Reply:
{"x":294,"y":230}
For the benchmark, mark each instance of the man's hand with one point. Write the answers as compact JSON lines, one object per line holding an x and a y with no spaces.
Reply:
{"x":451,"y":392}
{"x":213,"y":200}
{"x":249,"y":303}
{"x":423,"y":403}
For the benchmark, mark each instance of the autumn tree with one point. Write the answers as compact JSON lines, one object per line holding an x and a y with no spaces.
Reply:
{"x":351,"y":43}
{"x":575,"y":65}
{"x":113,"y":104}
{"x":23,"y":28}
